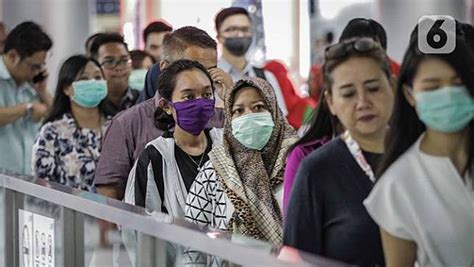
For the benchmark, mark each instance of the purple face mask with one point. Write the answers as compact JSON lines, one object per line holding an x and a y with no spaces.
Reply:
{"x":193,"y":115}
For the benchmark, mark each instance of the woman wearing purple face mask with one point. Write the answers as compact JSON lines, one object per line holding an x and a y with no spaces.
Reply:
{"x":164,"y":172}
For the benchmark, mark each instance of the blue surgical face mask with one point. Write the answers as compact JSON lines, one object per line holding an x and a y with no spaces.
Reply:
{"x":89,"y":93}
{"x":448,"y":109}
{"x":137,"y":79}
{"x":253,"y":130}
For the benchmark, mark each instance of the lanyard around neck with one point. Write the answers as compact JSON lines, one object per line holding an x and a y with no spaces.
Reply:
{"x":357,"y":154}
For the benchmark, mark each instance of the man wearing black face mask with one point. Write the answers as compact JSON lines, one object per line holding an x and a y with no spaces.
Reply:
{"x":234,"y":33}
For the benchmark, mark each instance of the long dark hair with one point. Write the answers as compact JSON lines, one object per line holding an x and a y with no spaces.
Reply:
{"x":166,"y":84}
{"x":324,"y":124}
{"x":68,"y":73}
{"x":405,"y":126}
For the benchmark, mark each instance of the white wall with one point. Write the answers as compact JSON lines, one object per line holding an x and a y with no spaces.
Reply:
{"x":192,"y":13}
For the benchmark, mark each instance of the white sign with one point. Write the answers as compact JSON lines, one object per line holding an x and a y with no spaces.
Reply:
{"x":25,"y":229}
{"x":36,"y":234}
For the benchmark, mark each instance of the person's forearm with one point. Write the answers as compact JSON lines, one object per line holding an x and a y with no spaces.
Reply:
{"x":11,"y":114}
{"x":111,"y":191}
{"x":398,"y":252}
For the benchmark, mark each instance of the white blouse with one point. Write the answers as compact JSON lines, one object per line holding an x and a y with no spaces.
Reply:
{"x":423,"y":198}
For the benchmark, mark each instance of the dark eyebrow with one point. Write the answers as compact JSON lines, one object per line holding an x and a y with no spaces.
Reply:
{"x":371,"y":80}
{"x":257,"y":101}
{"x":187,"y":90}
{"x":434,"y":79}
{"x":430,"y":80}
{"x":121,"y":56}
{"x":252,"y":103}
{"x":213,"y":67}
{"x":345,"y":86}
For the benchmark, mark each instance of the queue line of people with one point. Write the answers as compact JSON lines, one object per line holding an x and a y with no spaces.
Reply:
{"x":382,"y":177}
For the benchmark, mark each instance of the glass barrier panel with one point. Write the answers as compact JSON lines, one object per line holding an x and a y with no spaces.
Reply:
{"x":103,"y":244}
{"x":46,"y":224}
{"x":41,"y":232}
{"x":109,"y":244}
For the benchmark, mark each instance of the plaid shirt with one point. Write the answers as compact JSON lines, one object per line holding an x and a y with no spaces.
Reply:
{"x":128,"y":100}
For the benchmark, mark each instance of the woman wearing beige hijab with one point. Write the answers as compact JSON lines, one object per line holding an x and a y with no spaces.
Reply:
{"x":239,"y":188}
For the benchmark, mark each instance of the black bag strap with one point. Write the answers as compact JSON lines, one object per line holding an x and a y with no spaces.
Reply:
{"x":260,"y":73}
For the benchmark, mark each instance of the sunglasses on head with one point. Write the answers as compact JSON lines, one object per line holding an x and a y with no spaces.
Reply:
{"x":360,"y":45}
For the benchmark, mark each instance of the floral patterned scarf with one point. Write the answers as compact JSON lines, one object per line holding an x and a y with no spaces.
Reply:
{"x":249,"y":176}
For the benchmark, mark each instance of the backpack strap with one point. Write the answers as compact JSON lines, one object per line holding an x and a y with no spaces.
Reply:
{"x":259,"y":72}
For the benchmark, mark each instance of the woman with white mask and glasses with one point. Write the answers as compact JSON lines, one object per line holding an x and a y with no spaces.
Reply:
{"x":68,"y":145}
{"x":240,"y":187}
{"x":424,"y":198}
{"x":325,"y":215}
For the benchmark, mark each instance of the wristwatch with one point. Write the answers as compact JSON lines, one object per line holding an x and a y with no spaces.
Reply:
{"x":29,"y":110}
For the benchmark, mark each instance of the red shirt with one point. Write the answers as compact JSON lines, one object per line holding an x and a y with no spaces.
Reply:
{"x":295,"y":104}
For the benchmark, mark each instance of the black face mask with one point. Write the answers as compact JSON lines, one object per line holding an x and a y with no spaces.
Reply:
{"x":238,"y":46}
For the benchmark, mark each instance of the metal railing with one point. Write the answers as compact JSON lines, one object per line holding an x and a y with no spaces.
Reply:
{"x":160,"y":229}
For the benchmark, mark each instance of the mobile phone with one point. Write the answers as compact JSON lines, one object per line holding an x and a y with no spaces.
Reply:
{"x":40,"y":77}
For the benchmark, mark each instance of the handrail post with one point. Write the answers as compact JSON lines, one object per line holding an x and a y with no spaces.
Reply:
{"x":73,"y":238}
{"x":13,"y":202}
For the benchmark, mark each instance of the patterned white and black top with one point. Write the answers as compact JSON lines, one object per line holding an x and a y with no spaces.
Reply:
{"x":67,"y":154}
{"x":207,"y":204}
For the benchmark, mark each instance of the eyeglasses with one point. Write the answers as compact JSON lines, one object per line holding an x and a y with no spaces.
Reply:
{"x":340,"y":50}
{"x":235,"y":30}
{"x":35,"y":67}
{"x":113,"y":63}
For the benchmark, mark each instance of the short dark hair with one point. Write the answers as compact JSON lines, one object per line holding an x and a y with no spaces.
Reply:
{"x":361,"y":27}
{"x":176,"y":42}
{"x":27,"y":38}
{"x":138,"y":56}
{"x":105,"y":38}
{"x":89,"y":40}
{"x":156,"y":27}
{"x":227,"y":12}
{"x":166,"y":84}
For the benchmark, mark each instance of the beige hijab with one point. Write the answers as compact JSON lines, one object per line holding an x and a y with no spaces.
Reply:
{"x":250,"y":176}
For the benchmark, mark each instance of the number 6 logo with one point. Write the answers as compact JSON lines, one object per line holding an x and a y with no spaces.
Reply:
{"x":436,"y":34}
